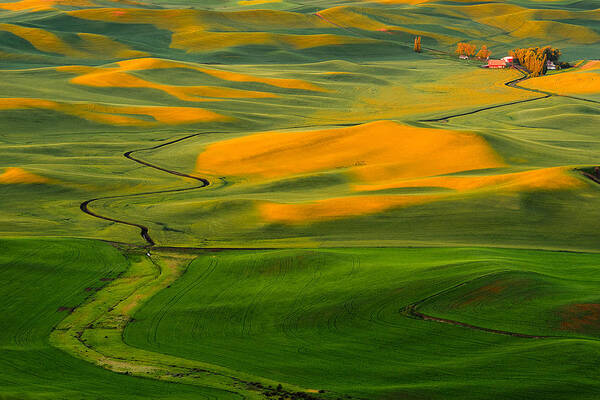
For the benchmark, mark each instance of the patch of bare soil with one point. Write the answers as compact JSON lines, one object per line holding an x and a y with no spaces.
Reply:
{"x":583,"y":318}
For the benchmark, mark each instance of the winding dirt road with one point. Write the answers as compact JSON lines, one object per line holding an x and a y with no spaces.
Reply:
{"x":513,"y":84}
{"x":144,"y":231}
{"x":412,"y":311}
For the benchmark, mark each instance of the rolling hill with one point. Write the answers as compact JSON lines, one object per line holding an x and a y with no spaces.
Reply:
{"x":281,"y":199}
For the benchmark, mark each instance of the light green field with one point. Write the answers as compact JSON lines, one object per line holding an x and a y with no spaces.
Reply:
{"x":326,"y":209}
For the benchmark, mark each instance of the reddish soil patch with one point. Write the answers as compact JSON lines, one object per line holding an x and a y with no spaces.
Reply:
{"x":483,"y":293}
{"x":581,"y":318}
{"x":69,"y":309}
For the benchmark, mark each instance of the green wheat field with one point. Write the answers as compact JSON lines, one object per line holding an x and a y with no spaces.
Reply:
{"x":299,"y":200}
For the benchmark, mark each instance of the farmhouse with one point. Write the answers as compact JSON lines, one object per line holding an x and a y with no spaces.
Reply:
{"x":508,"y":59}
{"x":496,"y":64}
{"x":550,"y":65}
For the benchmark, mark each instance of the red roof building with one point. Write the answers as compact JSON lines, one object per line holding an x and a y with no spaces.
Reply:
{"x":496,"y":64}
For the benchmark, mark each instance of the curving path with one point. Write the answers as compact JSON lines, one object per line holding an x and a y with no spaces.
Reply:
{"x":411,"y":311}
{"x":513,"y":84}
{"x":144,"y":231}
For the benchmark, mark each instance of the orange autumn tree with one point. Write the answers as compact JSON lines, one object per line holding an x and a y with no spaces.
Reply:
{"x":465,"y":49}
{"x":535,"y":58}
{"x":484,"y":53}
{"x":418,"y":44}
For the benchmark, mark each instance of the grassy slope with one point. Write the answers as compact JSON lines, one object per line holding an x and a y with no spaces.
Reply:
{"x":31,"y":368}
{"x":330,"y":319}
{"x":524,"y":135}
{"x":546,"y":133}
{"x":84,"y":157}
{"x":326,"y":319}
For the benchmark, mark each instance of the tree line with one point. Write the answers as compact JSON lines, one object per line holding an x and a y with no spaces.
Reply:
{"x":535,"y":59}
{"x":469,"y":50}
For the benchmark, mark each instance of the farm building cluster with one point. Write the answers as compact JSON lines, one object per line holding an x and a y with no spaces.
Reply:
{"x":535,"y":60}
{"x":508,"y":61}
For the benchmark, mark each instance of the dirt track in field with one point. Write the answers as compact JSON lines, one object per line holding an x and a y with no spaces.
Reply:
{"x":411,"y":311}
{"x":144,"y":231}
{"x":513,"y":84}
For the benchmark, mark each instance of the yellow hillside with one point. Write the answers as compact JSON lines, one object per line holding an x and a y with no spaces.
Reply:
{"x":376,"y":156}
{"x":43,"y":5}
{"x":118,"y":77}
{"x":520,"y":22}
{"x":180,"y":19}
{"x":546,"y":178}
{"x":335,"y":208}
{"x":90,"y":46}
{"x":584,"y":80}
{"x":118,"y":115}
{"x":370,"y":153}
{"x":14,"y":175}
{"x":155,"y":63}
{"x":256,"y":2}
{"x":195,"y":30}
{"x":298,"y":213}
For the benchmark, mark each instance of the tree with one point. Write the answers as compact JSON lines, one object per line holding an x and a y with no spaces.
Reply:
{"x":552,"y":54}
{"x":535,"y":59}
{"x":465,"y":49}
{"x":484,"y":53}
{"x":418,"y":44}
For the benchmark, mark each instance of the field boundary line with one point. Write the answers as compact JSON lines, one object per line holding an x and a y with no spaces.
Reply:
{"x":411,"y":311}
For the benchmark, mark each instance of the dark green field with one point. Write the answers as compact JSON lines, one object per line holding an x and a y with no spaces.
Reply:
{"x":280,"y":199}
{"x":332,"y":319}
